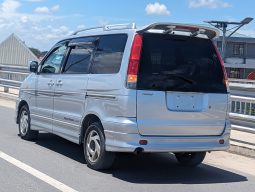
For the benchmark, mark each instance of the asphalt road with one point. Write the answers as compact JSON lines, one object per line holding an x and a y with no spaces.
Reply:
{"x":63,"y":161}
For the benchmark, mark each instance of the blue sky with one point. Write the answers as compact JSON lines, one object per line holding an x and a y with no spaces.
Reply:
{"x":40,"y":23}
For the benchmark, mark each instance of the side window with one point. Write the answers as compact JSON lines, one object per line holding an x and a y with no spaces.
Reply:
{"x":53,"y":63}
{"x":108,"y":56}
{"x":79,"y":59}
{"x":238,"y":49}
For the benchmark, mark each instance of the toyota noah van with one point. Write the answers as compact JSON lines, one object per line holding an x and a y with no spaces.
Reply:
{"x":118,"y":88}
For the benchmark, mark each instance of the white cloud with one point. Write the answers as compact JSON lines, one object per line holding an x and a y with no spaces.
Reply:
{"x":43,"y":9}
{"x":55,"y":8}
{"x":24,"y":19}
{"x":81,"y":27}
{"x":212,"y":4}
{"x":102,"y":21}
{"x":36,"y":29}
{"x":34,"y":1}
{"x":247,"y":32}
{"x":157,"y":9}
{"x":9,"y":6}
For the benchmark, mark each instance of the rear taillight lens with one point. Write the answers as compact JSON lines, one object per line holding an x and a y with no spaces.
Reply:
{"x":134,"y":61}
{"x":222,"y":65}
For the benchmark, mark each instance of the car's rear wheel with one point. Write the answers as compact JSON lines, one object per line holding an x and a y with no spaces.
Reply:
{"x":190,"y":159}
{"x":24,"y":125}
{"x":95,"y":154}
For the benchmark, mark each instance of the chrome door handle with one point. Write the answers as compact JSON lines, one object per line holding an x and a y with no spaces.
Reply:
{"x":59,"y":83}
{"x":51,"y":83}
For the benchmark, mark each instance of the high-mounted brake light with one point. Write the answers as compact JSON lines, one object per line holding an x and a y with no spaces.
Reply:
{"x":186,"y":28}
{"x":134,"y":61}
{"x":222,"y":65}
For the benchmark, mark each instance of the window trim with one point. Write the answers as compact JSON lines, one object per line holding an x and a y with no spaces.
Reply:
{"x":66,"y":59}
{"x":69,"y":52}
{"x":237,"y":49}
{"x":54,"y":48}
{"x":96,"y":37}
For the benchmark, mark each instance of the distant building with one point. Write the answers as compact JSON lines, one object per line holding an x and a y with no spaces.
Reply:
{"x":240,"y":56}
{"x":13,"y":51}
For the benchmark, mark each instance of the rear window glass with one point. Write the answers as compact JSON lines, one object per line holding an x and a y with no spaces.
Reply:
{"x":180,"y":63}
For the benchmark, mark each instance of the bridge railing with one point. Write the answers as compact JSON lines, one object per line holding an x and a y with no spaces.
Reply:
{"x":12,"y":76}
{"x":242,"y":84}
{"x":242,"y":112}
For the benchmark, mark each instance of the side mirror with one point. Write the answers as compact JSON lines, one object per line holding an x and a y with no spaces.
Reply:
{"x":33,"y":66}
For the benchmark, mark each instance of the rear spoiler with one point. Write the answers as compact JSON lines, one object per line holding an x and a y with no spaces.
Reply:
{"x":194,"y":30}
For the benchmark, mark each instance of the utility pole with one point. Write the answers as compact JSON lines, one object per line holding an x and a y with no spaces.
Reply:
{"x":223,"y":44}
{"x":223,"y":26}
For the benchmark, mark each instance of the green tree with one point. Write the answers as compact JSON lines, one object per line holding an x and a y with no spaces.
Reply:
{"x":37,"y":52}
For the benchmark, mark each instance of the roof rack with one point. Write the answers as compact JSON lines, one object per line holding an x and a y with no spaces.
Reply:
{"x":109,"y":27}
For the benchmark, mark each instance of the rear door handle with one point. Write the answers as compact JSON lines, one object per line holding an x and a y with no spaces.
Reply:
{"x":59,"y":83}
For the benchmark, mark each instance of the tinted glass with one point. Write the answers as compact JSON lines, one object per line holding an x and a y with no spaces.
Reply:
{"x":78,"y":60}
{"x":238,"y":107}
{"x":248,"y":108}
{"x":108,"y":56}
{"x":233,"y":106}
{"x":242,"y":107}
{"x":253,"y":109}
{"x":53,"y":63}
{"x":180,"y":63}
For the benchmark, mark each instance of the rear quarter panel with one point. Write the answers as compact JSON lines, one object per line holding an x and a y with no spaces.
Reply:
{"x":108,"y":98}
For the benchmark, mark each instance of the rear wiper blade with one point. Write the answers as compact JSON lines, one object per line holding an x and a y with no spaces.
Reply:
{"x":183,"y":78}
{"x":176,"y":76}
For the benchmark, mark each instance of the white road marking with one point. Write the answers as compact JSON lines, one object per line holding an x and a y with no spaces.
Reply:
{"x":47,"y":179}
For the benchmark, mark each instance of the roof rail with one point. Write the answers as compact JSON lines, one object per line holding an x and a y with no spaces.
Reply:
{"x":120,"y":26}
{"x":109,"y":27}
{"x":87,"y":29}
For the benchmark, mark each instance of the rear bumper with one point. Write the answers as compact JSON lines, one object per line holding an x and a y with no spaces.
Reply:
{"x":127,"y":142}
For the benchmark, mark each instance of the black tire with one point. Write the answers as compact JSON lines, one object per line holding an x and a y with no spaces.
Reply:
{"x":190,"y":159}
{"x":29,"y":134}
{"x":105,"y":159}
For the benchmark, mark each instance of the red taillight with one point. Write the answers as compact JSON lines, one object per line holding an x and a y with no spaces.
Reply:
{"x":134,"y":61}
{"x":143,"y":142}
{"x":222,"y":64}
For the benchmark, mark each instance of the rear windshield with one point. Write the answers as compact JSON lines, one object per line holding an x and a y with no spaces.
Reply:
{"x":179,"y":63}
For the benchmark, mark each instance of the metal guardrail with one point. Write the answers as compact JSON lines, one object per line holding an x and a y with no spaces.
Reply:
{"x":12,"y":76}
{"x":242,"y":108}
{"x":242,"y":113}
{"x":242,"y":84}
{"x":242,"y":81}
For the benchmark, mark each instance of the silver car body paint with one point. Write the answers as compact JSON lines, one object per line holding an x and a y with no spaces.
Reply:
{"x":59,"y":103}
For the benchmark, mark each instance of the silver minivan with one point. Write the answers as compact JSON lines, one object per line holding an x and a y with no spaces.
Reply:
{"x":116,"y":88}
